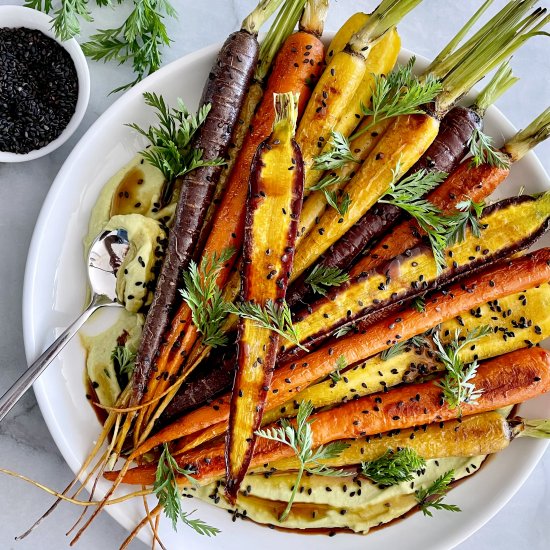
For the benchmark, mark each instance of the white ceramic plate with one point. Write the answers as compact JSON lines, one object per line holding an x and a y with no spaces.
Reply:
{"x":55,"y":291}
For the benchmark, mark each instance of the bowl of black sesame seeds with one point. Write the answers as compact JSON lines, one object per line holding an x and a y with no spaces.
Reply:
{"x":44,"y":85}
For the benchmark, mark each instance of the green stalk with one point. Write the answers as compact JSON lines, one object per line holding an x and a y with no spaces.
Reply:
{"x":313,"y":18}
{"x":490,"y":50}
{"x":286,"y":110}
{"x":448,"y":49}
{"x":261,"y":13}
{"x":280,"y":30}
{"x":384,"y":17}
{"x":502,"y":80}
{"x":512,"y":12}
{"x":539,"y":429}
{"x":299,"y":476}
{"x":525,"y":140}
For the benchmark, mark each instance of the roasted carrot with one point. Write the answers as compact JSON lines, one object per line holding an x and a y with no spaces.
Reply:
{"x":443,"y":155}
{"x":273,"y":206}
{"x":506,"y":380}
{"x":505,"y":228}
{"x":465,"y":182}
{"x":183,"y":335}
{"x":478,"y":434}
{"x":408,"y":136}
{"x":527,"y":325}
{"x":503,"y":279}
{"x":224,"y":90}
{"x":343,"y":77}
{"x":290,"y":74}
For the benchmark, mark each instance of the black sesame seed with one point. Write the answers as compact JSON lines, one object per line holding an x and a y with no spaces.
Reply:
{"x":38,"y":89}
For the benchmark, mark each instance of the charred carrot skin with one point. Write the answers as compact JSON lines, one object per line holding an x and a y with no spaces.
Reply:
{"x":465,"y":182}
{"x":290,"y":73}
{"x":403,"y":143}
{"x":502,"y":279}
{"x":224,"y":91}
{"x":507,"y":227}
{"x":506,"y":380}
{"x":214,"y":375}
{"x":273,"y":208}
{"x":444,"y":155}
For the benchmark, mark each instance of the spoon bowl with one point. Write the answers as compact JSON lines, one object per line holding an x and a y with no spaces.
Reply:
{"x":105,"y":257}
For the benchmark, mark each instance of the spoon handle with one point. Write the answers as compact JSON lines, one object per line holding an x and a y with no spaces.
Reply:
{"x":25,"y":381}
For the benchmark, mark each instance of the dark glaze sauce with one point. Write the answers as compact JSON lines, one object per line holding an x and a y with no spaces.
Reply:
{"x":92,"y":398}
{"x":125,"y":199}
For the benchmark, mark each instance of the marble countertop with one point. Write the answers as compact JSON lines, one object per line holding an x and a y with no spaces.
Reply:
{"x":25,"y":443}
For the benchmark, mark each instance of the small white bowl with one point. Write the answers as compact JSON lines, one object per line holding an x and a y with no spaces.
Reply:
{"x":19,"y":16}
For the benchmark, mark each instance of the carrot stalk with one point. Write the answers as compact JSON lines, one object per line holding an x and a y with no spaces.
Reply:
{"x":273,"y":206}
{"x":502,"y":279}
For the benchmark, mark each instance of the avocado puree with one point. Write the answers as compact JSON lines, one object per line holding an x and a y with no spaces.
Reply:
{"x":333,"y":502}
{"x":99,"y":365}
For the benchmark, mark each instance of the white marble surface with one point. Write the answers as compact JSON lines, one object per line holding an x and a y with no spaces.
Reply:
{"x":25,"y":444}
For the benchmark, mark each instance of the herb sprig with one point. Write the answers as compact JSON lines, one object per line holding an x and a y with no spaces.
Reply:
{"x":341,"y":364}
{"x":456,"y":385}
{"x":171,"y":151}
{"x":343,"y":330}
{"x":397,"y":349}
{"x":419,"y":304}
{"x":467,"y":216}
{"x":340,"y":204}
{"x":272,"y":316}
{"x":300,"y":439}
{"x":328,"y":180}
{"x":483,"y":152}
{"x":322,"y":276}
{"x":407,"y":194}
{"x":139,"y":40}
{"x":338,"y":155}
{"x":204,"y":297}
{"x":123,"y":360}
{"x":399,"y":93}
{"x":393,"y":467}
{"x":166,"y":490}
{"x":432,"y":496}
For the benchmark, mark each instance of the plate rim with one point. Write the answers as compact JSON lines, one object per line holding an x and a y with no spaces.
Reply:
{"x":32,"y":339}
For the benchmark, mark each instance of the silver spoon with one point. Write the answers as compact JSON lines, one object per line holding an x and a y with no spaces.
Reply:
{"x":106,"y":255}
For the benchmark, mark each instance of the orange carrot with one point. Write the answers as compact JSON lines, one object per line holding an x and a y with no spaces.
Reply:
{"x":501,"y":279}
{"x":291,"y":73}
{"x":467,"y":181}
{"x":503,"y":381}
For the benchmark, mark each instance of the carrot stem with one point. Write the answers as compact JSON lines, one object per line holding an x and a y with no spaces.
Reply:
{"x":261,"y":13}
{"x":525,"y":140}
{"x":280,"y":30}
